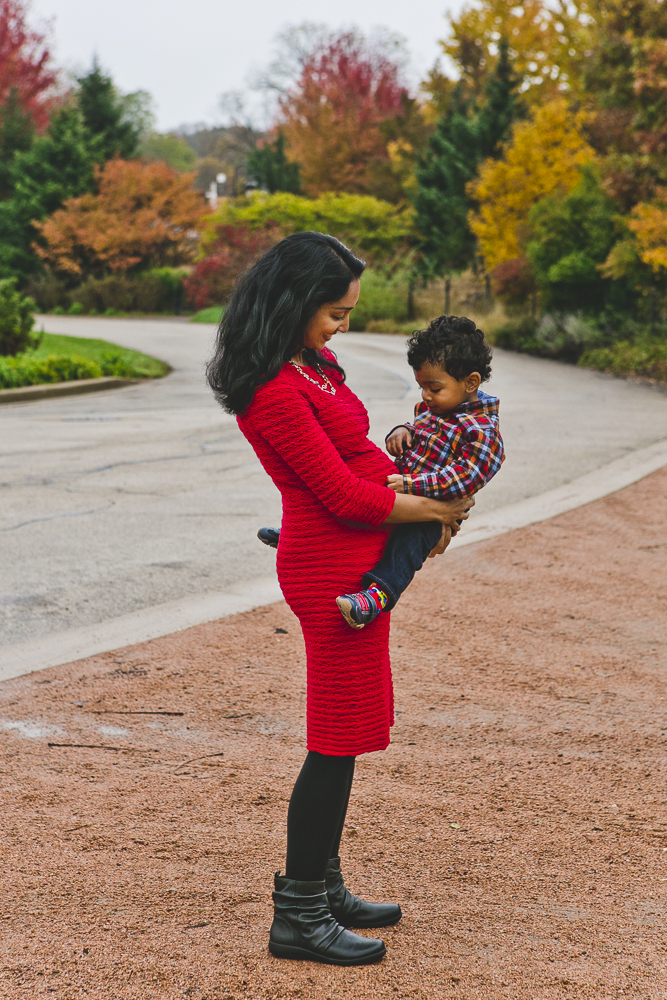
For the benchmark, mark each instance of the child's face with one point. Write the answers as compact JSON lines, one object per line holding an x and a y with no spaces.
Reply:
{"x":441,"y":392}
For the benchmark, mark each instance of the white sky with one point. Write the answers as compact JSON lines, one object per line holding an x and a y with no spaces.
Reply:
{"x":186,"y":53}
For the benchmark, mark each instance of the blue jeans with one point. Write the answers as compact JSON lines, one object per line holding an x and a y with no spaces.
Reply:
{"x":406,"y":551}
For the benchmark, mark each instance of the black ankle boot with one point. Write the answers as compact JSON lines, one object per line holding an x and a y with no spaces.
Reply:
{"x":349,"y":910}
{"x":304,"y":928}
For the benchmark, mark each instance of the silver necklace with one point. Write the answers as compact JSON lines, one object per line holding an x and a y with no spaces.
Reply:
{"x":329,"y":387}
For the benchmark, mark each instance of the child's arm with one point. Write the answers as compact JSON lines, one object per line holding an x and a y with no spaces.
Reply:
{"x":399,"y":440}
{"x":477,"y":459}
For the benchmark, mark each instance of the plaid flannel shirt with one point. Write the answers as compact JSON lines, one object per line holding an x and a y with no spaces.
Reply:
{"x":452,"y":456}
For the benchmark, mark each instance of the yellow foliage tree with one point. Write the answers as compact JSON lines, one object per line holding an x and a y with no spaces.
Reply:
{"x":545,"y":43}
{"x":543,"y":156}
{"x":649,"y":224}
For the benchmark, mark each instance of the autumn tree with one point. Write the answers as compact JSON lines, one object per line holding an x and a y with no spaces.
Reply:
{"x":544,"y":155}
{"x":332,"y":116}
{"x":464,"y":137}
{"x":625,"y":80}
{"x":230,"y":250}
{"x":25,"y":64}
{"x":545,"y":44}
{"x":640,"y":258}
{"x":142,"y":216}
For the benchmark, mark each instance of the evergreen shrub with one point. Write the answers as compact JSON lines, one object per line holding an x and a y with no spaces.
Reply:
{"x":17,"y":317}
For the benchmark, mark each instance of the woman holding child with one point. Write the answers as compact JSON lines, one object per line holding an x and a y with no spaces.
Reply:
{"x":273,"y":369}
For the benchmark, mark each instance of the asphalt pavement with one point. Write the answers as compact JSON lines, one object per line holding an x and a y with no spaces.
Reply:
{"x":123,"y":500}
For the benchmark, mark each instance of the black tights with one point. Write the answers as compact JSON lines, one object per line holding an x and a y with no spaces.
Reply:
{"x":316,"y":815}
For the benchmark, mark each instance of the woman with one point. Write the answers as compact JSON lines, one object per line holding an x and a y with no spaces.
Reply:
{"x":273,"y":370}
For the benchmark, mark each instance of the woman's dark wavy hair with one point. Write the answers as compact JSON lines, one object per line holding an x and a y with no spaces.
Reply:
{"x":269,"y":310}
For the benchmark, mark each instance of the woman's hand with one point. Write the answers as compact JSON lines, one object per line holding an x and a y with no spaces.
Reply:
{"x":451,"y":512}
{"x":408,"y":508}
{"x":445,"y":539}
{"x":395,"y":483}
{"x":398,"y":441}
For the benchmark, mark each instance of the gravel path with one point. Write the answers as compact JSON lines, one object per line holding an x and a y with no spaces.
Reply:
{"x":519,"y":815}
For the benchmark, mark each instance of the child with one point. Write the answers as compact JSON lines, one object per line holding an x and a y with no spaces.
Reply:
{"x":452,"y":449}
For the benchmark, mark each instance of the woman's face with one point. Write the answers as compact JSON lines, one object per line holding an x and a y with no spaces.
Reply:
{"x":331,"y":318}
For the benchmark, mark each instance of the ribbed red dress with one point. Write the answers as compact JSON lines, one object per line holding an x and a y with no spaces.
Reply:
{"x":315,"y":447}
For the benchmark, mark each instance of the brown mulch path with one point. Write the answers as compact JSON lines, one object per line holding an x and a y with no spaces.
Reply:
{"x":520,"y":815}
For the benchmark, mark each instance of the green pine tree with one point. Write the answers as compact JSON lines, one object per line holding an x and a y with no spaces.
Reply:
{"x":104,"y":115}
{"x":464,"y":137}
{"x":16,"y":135}
{"x":58,"y":165}
{"x":271,"y":168}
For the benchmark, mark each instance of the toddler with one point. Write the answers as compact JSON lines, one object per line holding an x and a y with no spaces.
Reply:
{"x":451,"y":450}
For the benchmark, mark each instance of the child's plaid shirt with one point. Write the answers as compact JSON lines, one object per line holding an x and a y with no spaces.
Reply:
{"x":452,"y":456}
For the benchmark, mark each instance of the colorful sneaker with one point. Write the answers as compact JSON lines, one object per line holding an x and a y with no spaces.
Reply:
{"x":270,"y":536}
{"x":358,"y":609}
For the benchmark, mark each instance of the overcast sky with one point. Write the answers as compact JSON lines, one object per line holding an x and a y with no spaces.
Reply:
{"x":186,"y":53}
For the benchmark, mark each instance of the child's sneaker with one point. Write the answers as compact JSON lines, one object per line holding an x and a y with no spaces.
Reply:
{"x":270,"y":536}
{"x":362,"y":608}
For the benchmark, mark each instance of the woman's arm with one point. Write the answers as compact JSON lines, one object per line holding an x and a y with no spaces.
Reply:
{"x":283,"y":417}
{"x":412,"y":508}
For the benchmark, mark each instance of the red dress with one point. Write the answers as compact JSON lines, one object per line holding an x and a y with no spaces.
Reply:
{"x":315,"y":447}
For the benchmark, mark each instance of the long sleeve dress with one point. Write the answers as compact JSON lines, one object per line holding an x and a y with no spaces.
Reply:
{"x":315,"y":447}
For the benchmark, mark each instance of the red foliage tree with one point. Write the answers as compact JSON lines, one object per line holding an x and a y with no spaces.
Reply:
{"x":233,"y":251}
{"x":143,"y":215}
{"x":333,"y":117}
{"x":513,"y":281}
{"x":25,"y":63}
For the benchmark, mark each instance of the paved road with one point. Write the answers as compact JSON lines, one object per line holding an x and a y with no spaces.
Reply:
{"x":122,"y":500}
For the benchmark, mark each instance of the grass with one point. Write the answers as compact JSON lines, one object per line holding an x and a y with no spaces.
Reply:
{"x":61,"y":358}
{"x":99,"y":351}
{"x":211,"y":315}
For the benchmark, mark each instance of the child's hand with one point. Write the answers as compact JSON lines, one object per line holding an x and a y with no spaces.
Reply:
{"x":395,"y":483}
{"x":443,"y":543}
{"x":398,"y":442}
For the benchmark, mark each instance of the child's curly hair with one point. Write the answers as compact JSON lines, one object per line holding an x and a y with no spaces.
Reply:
{"x":455,"y":343}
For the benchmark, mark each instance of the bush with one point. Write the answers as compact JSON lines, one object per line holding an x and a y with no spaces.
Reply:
{"x":76,"y":309}
{"x":647,"y":359}
{"x":234,"y":249}
{"x":384,"y":297}
{"x":17,"y":317}
{"x":516,"y":335}
{"x":156,"y":291}
{"x":24,"y":370}
{"x":554,"y":336}
{"x":48,"y":292}
{"x":370,"y":227}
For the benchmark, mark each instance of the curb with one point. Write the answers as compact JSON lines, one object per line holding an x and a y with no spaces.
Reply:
{"x":175,"y":616}
{"x":32,"y":392}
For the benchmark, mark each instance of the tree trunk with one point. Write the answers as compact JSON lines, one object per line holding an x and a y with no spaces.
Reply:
{"x":411,"y":299}
{"x":448,"y":289}
{"x":487,"y":291}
